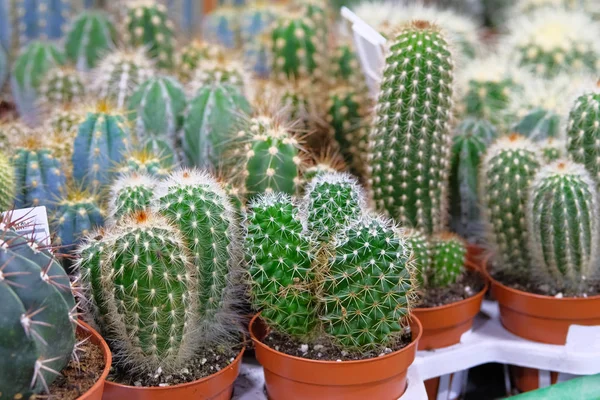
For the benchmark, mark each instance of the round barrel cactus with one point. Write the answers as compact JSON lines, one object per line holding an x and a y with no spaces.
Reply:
{"x":448,"y":255}
{"x":552,"y":149}
{"x":78,"y":214}
{"x":60,"y":86}
{"x":191,"y":56}
{"x":130,"y":193}
{"x":147,"y":162}
{"x":91,"y":35}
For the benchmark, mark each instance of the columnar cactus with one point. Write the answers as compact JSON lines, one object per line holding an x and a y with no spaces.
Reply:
{"x":119,"y":74}
{"x":211,"y":115}
{"x":506,"y":173}
{"x":77,"y":215}
{"x":552,"y":149}
{"x":562,"y":219}
{"x":91,"y":35}
{"x":38,"y":175}
{"x":280,"y":265}
{"x":100,"y":144}
{"x":130,"y":193}
{"x":7,"y":183}
{"x":61,"y":86}
{"x":149,"y":26}
{"x":448,"y":255}
{"x":196,"y":203}
{"x":420,"y":249}
{"x":583,"y":132}
{"x":157,"y":108}
{"x":147,"y":162}
{"x":470,"y":141}
{"x":410,"y":141}
{"x":37,"y":329}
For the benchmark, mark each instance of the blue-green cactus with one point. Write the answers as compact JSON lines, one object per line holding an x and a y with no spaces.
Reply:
{"x":91,"y":35}
{"x":78,"y":214}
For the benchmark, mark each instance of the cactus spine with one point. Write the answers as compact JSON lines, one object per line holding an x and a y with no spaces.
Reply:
{"x":90,"y":37}
{"x":412,"y":127}
{"x":583,"y":132}
{"x":78,"y":214}
{"x":192,"y":56}
{"x":448,"y":259}
{"x":7,"y":183}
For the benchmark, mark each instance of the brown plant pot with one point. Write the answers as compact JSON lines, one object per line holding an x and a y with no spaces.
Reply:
{"x":444,"y":325}
{"x":217,"y":386}
{"x":528,"y":379}
{"x":95,"y":392}
{"x":540,"y":318}
{"x":288,"y":377}
{"x":475,"y":255}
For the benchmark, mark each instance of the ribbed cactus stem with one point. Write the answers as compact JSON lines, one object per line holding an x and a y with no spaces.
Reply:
{"x":583,"y":132}
{"x":91,"y":35}
{"x":130,"y":193}
{"x":7,"y":183}
{"x":420,"y":249}
{"x":448,"y":259}
{"x":61,"y":86}
{"x":553,"y":149}
{"x":78,"y":214}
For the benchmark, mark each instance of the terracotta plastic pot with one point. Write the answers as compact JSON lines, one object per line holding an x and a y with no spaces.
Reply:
{"x":528,"y":379}
{"x":217,"y":386}
{"x":444,"y":325}
{"x":290,"y":378}
{"x":95,"y":392}
{"x":475,"y":254}
{"x":540,"y":318}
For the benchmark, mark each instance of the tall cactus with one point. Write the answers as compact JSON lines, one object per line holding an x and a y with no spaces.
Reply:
{"x":583,"y":132}
{"x":78,"y":214}
{"x":409,"y":143}
{"x":130,"y":193}
{"x":91,"y":35}
{"x":562,"y":220}
{"x":505,"y":176}
{"x":37,"y":328}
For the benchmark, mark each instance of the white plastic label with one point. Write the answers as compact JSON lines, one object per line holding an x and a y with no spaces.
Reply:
{"x":31,"y":223}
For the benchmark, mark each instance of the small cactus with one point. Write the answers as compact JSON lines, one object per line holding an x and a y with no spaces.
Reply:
{"x":78,"y":214}
{"x":61,"y":86}
{"x":345,"y":67}
{"x":191,"y":56}
{"x":130,"y":193}
{"x":583,"y":132}
{"x":222,"y":70}
{"x":7,"y":183}
{"x":448,"y":255}
{"x":91,"y":35}
{"x":66,"y":119}
{"x":147,"y":162}
{"x":552,"y":149}
{"x":420,"y":248}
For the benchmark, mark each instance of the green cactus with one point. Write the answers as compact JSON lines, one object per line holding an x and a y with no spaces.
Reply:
{"x":345,"y":67}
{"x":130,"y":193}
{"x":583,"y":132}
{"x":552,"y":149}
{"x":420,"y":248}
{"x":280,"y":265}
{"x":148,"y":26}
{"x":506,"y":173}
{"x":7,"y":183}
{"x":191,"y":56}
{"x":208,"y":125}
{"x":157,"y":107}
{"x":119,"y":74}
{"x":147,"y":162}
{"x":66,"y":119}
{"x":9,"y":131}
{"x":299,"y":102}
{"x":196,"y":203}
{"x":562,"y":220}
{"x":101,"y":142}
{"x":409,"y":142}
{"x":222,"y":70}
{"x":470,"y":141}
{"x":448,"y":259}
{"x":61,"y":86}
{"x":78,"y":213}
{"x":37,"y":327}
{"x":91,"y":35}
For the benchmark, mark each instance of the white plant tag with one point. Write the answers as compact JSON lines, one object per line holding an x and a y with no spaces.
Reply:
{"x":31,"y":223}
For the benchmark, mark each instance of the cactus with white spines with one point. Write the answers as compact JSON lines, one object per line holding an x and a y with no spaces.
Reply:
{"x":38,"y":174}
{"x":448,"y":255}
{"x":101,"y":142}
{"x":191,"y":56}
{"x":328,"y":161}
{"x":61,"y":86}
{"x":505,"y":176}
{"x":221,"y":70}
{"x":11,"y":132}
{"x":157,"y":107}
{"x":199,"y":206}
{"x":37,"y":329}
{"x":66,"y":119}
{"x":91,"y":35}
{"x":531,"y":6}
{"x":147,"y":162}
{"x":222,"y":27}
{"x":7,"y":183}
{"x":78,"y":214}
{"x":130,"y":193}
{"x":149,"y":26}
{"x":210,"y":118}
{"x":562,"y":220}
{"x":552,"y":149}
{"x":88,"y":256}
{"x":119,"y":74}
{"x":409,"y":144}
{"x":420,"y":249}
{"x":345,"y":67}
{"x":470,"y":141}
{"x":554,"y":41}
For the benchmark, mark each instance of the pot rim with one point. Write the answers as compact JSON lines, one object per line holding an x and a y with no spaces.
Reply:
{"x":475,"y":297}
{"x":86,"y":328}
{"x":518,"y":292}
{"x":237,"y":359}
{"x":413,"y":318}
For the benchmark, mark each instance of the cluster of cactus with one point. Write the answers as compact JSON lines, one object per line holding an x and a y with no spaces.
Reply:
{"x":299,"y":254}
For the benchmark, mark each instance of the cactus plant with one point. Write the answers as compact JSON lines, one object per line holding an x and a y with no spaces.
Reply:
{"x":552,"y":149}
{"x":61,"y":86}
{"x":191,"y":56}
{"x":4,"y":66}
{"x":583,"y":132}
{"x":38,"y":175}
{"x":37,"y":19}
{"x":119,"y":74}
{"x":91,"y":35}
{"x":470,"y":141}
{"x":420,"y":248}
{"x":328,"y":161}
{"x":157,"y":107}
{"x":10,"y":132}
{"x":345,"y":67}
{"x":66,"y":119}
{"x":505,"y":176}
{"x":7,"y":183}
{"x":222,"y":27}
{"x":532,"y":6}
{"x":211,"y":116}
{"x":149,"y":26}
{"x":78,"y":214}
{"x":37,"y":329}
{"x":409,"y":143}
{"x":100,"y":144}
{"x":147,"y":162}
{"x":255,"y":23}
{"x":221,"y":70}
{"x":562,"y":220}
{"x":448,"y":255}
{"x":130,"y":193}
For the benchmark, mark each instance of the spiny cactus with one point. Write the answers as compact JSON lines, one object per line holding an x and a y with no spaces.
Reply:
{"x":130,"y":193}
{"x":148,"y":25}
{"x":562,"y":220}
{"x":345,"y":67}
{"x":470,"y":141}
{"x":147,"y":162}
{"x":157,"y":107}
{"x":221,"y":70}
{"x":37,"y":19}
{"x":119,"y":74}
{"x":100,"y":144}
{"x":583,"y":132}
{"x":255,"y":23}
{"x":328,"y":161}
{"x":38,"y":174}
{"x":78,"y":214}
{"x":552,"y":149}
{"x":409,"y":143}
{"x":91,"y":35}
{"x":37,"y":329}
{"x":420,"y":249}
{"x":191,"y":56}
{"x":87,"y":268}
{"x":7,"y":183}
{"x":222,"y":26}
{"x":299,"y":102}
{"x":448,"y":254}
{"x":506,"y":173}
{"x":210,"y":117}
{"x":66,"y":119}
{"x":280,"y":265}
{"x":553,"y":41}
{"x":532,"y":6}
{"x":61,"y":86}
